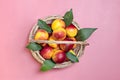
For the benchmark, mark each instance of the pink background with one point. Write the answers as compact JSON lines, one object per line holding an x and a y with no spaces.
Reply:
{"x":101,"y":60}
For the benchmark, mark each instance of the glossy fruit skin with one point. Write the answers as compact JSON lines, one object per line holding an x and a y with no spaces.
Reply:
{"x":57,"y":23}
{"x":59,"y":34}
{"x":53,"y":45}
{"x":47,"y":52}
{"x":71,"y":30}
{"x":41,"y":35}
{"x":59,"y":56}
{"x":74,"y":39}
{"x":66,"y":47}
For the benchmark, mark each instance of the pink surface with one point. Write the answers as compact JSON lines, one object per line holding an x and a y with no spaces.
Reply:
{"x":101,"y":60}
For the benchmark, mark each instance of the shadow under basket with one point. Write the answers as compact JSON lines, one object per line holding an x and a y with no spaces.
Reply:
{"x":79,"y":50}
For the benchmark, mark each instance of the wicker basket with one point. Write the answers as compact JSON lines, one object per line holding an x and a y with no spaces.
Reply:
{"x":78,"y":50}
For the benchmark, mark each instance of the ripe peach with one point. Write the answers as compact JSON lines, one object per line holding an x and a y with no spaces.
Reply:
{"x":59,"y":34}
{"x":53,"y":45}
{"x":74,"y":39}
{"x":67,"y":47}
{"x":58,"y":23}
{"x":71,"y":30}
{"x":41,"y":35}
{"x":59,"y":56}
{"x":47,"y":52}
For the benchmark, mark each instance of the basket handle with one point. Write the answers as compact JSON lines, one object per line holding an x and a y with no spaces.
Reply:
{"x":61,"y":42}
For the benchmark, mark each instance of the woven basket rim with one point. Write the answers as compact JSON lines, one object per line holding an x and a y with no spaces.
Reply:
{"x":40,"y":59}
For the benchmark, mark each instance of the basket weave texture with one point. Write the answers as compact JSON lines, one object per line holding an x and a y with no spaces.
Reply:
{"x":79,"y":50}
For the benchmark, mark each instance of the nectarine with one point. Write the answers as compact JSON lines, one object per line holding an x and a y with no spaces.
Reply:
{"x":58,"y":23}
{"x":41,"y":35}
{"x":59,"y":34}
{"x":67,"y":47}
{"x":53,"y":45}
{"x":59,"y":56}
{"x":71,"y":30}
{"x":47,"y":52}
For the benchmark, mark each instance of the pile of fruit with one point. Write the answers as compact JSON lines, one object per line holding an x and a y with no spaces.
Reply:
{"x":57,"y":52}
{"x":58,"y":30}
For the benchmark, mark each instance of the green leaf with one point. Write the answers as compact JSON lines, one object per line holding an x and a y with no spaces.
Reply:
{"x":68,"y":17}
{"x":84,"y":33}
{"x":72,"y":57}
{"x":34,"y":46}
{"x":42,"y":25}
{"x":47,"y":65}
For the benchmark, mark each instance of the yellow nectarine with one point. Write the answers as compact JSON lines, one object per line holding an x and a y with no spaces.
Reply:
{"x":58,"y":23}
